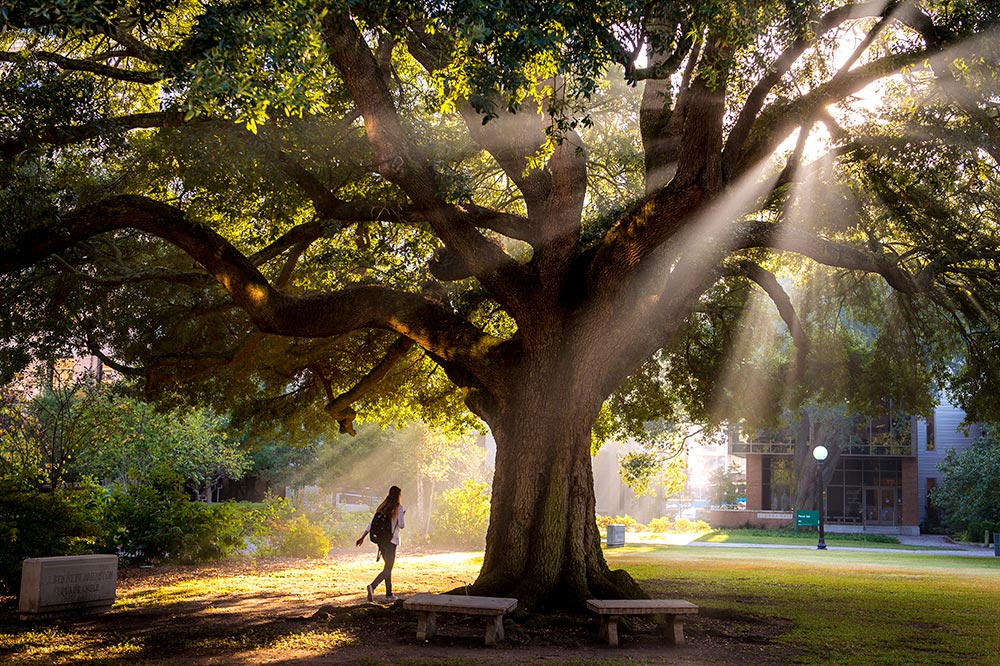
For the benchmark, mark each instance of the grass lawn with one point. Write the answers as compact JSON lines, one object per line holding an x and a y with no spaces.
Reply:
{"x":761,"y":606}
{"x":841,"y":607}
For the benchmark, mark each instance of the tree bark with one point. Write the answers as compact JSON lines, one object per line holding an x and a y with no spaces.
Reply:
{"x":823,"y":429}
{"x":543,"y":547}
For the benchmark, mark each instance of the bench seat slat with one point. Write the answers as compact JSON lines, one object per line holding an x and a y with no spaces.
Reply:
{"x":641,"y":606}
{"x":460,"y":603}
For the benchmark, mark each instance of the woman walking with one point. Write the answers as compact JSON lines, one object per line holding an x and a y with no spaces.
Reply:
{"x":390,"y":513}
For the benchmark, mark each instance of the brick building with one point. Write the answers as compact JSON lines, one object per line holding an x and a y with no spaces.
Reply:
{"x":880,"y":483}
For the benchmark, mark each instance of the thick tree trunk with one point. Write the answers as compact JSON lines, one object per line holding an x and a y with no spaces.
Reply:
{"x":813,"y":431}
{"x":543,"y":546}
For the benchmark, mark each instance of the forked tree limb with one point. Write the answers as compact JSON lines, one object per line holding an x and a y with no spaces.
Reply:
{"x":340,"y":407}
{"x":786,"y":309}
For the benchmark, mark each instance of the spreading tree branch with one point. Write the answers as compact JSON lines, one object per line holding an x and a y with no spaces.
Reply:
{"x":770,"y":285}
{"x":71,"y":134}
{"x":401,"y":161}
{"x":340,"y":406}
{"x":76,"y":65}
{"x":905,"y":12}
{"x":435,"y":328}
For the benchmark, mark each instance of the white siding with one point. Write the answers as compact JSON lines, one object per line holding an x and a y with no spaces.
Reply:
{"x":948,"y":436}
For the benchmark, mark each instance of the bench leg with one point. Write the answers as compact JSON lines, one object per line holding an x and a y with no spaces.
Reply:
{"x":675,"y":629}
{"x":494,"y":629}
{"x":426,"y":625}
{"x":609,"y":629}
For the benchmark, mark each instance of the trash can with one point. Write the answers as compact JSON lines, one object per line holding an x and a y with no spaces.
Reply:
{"x":616,"y":536}
{"x":996,"y":544}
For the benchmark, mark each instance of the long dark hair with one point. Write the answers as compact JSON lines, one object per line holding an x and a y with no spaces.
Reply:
{"x":391,"y":502}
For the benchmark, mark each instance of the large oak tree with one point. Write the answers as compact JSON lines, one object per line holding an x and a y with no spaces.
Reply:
{"x":304,"y":202}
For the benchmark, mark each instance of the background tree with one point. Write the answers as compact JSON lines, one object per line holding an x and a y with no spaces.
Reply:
{"x":726,"y":486}
{"x":44,"y":429}
{"x":969,"y":494}
{"x":655,"y":464}
{"x":133,"y":443}
{"x":394,"y":208}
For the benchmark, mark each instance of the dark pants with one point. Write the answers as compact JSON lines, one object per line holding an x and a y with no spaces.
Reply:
{"x":389,"y":557}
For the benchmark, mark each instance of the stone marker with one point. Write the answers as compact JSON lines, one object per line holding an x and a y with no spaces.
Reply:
{"x":69,"y":584}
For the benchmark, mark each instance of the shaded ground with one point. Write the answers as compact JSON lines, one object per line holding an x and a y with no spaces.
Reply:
{"x":313,"y":612}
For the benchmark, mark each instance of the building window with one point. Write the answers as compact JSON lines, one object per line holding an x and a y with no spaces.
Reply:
{"x":930,"y":432}
{"x":778,"y":490}
{"x":865,"y":490}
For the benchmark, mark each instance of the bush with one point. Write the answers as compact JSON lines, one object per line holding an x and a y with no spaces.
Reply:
{"x":156,"y":521}
{"x":45,"y":524}
{"x":274,"y":527}
{"x":685,"y":526}
{"x":462,"y":515}
{"x":969,"y":493}
{"x":628,"y":521}
{"x":304,"y":539}
{"x":661,"y":525}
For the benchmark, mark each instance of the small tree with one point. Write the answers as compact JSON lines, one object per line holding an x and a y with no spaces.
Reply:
{"x":969,"y":496}
{"x":42,"y":430}
{"x":136,"y":442}
{"x":726,"y":487}
{"x":463,"y":514}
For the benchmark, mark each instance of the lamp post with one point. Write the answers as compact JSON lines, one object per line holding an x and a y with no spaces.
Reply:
{"x":820,"y":453}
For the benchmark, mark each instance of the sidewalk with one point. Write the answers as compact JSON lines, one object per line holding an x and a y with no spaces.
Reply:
{"x":941,"y":545}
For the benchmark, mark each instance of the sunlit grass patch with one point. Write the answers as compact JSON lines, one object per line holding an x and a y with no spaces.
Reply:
{"x":54,"y":645}
{"x":248,"y":642}
{"x":849,"y":608}
{"x":126,"y":647}
{"x":437,"y":572}
{"x":314,"y":641}
{"x":49,"y":642}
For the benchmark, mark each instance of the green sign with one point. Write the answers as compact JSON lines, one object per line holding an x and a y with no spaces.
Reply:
{"x":807,"y":519}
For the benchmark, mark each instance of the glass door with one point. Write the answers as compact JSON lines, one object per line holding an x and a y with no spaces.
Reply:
{"x":871,"y":505}
{"x":880,"y":505}
{"x":887,"y":506}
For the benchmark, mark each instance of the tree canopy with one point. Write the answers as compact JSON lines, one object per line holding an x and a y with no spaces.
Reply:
{"x":969,"y":494}
{"x":549,"y":215}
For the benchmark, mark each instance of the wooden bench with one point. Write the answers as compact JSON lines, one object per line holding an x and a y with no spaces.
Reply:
{"x":428,"y":606}
{"x":611,"y":609}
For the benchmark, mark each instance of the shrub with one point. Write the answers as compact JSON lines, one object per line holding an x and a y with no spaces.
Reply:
{"x":685,"y":526}
{"x":213,"y":532}
{"x":630,"y":523}
{"x":275,"y":527}
{"x":660,"y":525}
{"x":157,"y":521}
{"x":969,"y":494}
{"x":45,"y":524}
{"x":263,"y":522}
{"x":462,"y":515}
{"x":304,"y":539}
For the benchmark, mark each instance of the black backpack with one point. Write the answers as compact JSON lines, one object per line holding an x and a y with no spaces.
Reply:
{"x":381,"y":531}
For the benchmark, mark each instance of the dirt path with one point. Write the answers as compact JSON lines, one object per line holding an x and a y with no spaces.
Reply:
{"x":266,"y":613}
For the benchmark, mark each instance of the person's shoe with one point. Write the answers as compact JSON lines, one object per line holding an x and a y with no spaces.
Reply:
{"x":371,"y":593}
{"x":391,"y":598}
